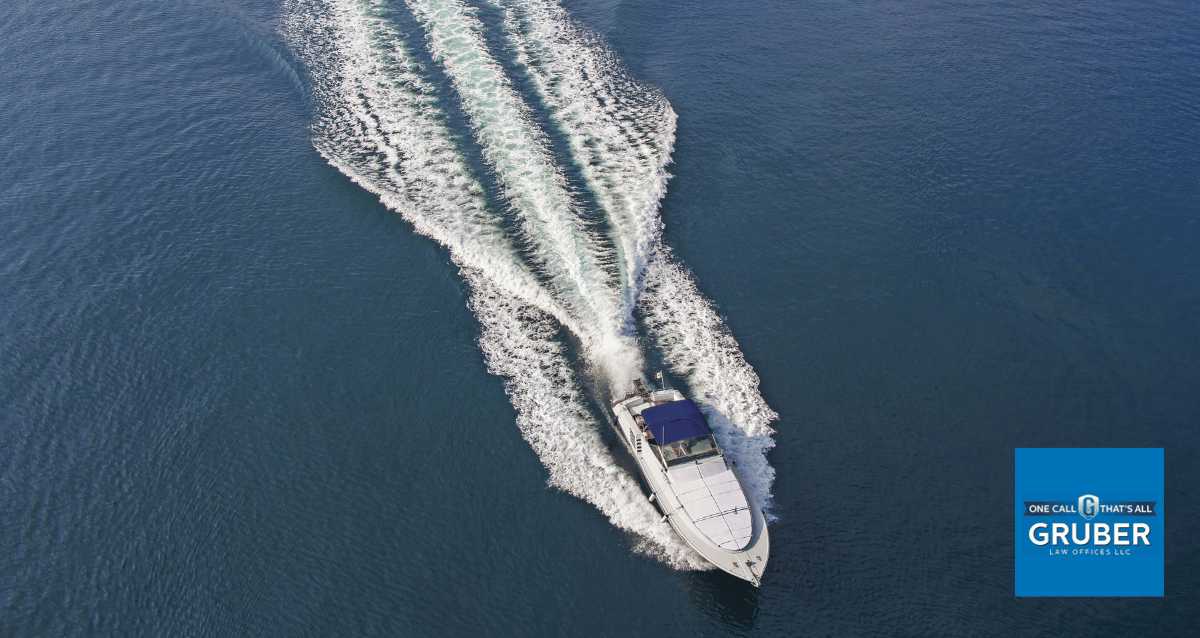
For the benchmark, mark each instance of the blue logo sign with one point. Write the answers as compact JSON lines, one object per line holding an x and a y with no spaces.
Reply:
{"x":1089,"y":522}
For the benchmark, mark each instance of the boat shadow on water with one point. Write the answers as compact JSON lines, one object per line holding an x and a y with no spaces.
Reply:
{"x":727,"y":599}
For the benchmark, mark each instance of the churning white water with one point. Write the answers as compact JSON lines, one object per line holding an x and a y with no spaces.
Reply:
{"x":534,"y":265}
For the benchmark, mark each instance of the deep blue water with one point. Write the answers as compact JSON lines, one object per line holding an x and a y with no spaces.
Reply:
{"x":240,"y":396}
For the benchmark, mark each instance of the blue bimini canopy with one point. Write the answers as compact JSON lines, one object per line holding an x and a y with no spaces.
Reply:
{"x":675,"y":421}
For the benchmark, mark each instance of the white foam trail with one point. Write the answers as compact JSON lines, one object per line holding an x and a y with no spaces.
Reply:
{"x":696,"y":343}
{"x":520,"y":344}
{"x":621,"y":133}
{"x":516,"y":149}
{"x":620,"y":130}
{"x":379,"y":122}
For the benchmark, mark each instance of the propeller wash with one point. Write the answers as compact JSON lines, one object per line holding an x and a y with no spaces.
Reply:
{"x":527,"y":150}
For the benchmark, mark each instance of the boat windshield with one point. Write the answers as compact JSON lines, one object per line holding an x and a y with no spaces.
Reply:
{"x":689,"y":449}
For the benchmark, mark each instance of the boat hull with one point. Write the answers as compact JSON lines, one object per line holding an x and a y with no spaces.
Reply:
{"x":746,"y":561}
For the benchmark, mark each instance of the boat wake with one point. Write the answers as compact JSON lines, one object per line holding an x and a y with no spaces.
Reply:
{"x":516,"y":139}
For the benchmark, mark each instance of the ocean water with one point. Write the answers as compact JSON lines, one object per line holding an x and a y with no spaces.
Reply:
{"x":310,"y":310}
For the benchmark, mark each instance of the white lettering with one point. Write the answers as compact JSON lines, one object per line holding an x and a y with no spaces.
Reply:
{"x":1059,"y":531}
{"x":1142,"y":531}
{"x":1101,"y":531}
{"x":1087,"y":534}
{"x":1120,"y":531}
{"x":1040,"y":538}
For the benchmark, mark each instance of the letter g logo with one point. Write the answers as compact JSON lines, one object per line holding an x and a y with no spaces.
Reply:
{"x":1089,"y":506}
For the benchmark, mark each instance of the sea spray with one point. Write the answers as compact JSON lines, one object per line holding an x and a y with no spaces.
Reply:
{"x":378,"y":120}
{"x":697,"y":345}
{"x":378,"y":123}
{"x":516,"y":149}
{"x":621,"y":134}
{"x":519,"y":344}
{"x":534,"y":185}
{"x":620,"y":130}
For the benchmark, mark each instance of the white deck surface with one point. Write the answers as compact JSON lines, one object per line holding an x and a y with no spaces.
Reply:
{"x":713,"y":499}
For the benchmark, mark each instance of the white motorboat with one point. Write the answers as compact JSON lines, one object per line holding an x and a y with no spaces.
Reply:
{"x":696,"y":486}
